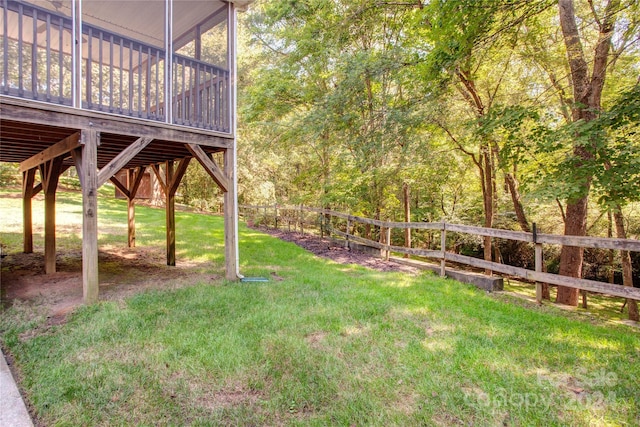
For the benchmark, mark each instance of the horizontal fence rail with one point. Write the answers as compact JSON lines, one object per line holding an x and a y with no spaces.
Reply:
{"x":298,"y":216}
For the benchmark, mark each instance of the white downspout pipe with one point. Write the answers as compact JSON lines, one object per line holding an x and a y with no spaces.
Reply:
{"x":234,"y":43}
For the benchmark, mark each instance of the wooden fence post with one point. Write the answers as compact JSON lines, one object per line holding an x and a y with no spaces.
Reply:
{"x":346,"y":242}
{"x":275,"y":209}
{"x":301,"y":219}
{"x":538,"y":262}
{"x":443,"y":248}
{"x":388,"y":241}
{"x":407,"y":216}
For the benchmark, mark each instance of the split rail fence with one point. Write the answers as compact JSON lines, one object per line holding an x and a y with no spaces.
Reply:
{"x":332,"y":223}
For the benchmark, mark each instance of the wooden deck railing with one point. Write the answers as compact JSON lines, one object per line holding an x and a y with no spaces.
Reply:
{"x":36,"y":53}
{"x":120,"y":75}
{"x":323,"y":220}
{"x":200,"y":94}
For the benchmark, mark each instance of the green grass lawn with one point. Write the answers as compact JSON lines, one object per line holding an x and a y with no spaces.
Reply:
{"x":327,"y":344}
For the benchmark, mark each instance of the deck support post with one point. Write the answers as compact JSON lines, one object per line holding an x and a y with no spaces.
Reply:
{"x":230,"y":218}
{"x":89,"y":172}
{"x":28,"y":178}
{"x":134,"y":178}
{"x":170,"y":213}
{"x":131,"y":212}
{"x":169,"y":183}
{"x":50,"y":173}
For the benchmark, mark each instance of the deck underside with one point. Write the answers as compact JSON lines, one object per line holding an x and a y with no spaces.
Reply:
{"x":27,"y":128}
{"x":48,"y":139}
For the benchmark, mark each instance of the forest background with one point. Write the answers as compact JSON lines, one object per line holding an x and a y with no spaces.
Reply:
{"x":498,"y":113}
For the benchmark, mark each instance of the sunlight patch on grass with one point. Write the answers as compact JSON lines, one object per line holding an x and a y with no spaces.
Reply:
{"x":400,"y":282}
{"x":438,"y":346}
{"x":355,"y":330}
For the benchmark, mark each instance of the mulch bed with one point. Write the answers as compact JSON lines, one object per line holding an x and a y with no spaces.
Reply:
{"x":327,"y":248}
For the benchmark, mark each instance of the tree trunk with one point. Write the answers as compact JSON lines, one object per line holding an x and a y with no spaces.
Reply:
{"x":627,"y":271}
{"x":571,"y":256}
{"x":487,"y":194}
{"x":587,"y":93}
{"x":512,"y":184}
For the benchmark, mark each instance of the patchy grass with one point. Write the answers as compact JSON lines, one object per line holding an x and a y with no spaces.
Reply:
{"x":324,"y":344}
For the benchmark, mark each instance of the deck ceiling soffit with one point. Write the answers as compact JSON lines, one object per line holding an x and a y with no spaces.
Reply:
{"x":124,"y":16}
{"x":187,"y":15}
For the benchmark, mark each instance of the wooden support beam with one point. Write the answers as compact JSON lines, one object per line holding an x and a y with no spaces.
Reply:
{"x":131,"y":223}
{"x":50,"y":173}
{"x":170,"y":216}
{"x":123,"y":188}
{"x":28,"y":178}
{"x":178,"y":174}
{"x":134,"y":178}
{"x":134,"y":184}
{"x":28,"y":111}
{"x":59,"y":149}
{"x":161,"y":179}
{"x":131,"y":205}
{"x":36,"y":189}
{"x":77,"y":160}
{"x":230,"y":219}
{"x":209,"y":165}
{"x":122,"y":159}
{"x":173,"y":178}
{"x":89,"y":172}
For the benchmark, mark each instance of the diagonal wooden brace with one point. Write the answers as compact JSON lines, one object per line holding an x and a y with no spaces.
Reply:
{"x":59,"y":149}
{"x":210,"y":166}
{"x":122,"y":159}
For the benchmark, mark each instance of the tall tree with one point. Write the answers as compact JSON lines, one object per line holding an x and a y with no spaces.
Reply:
{"x":587,"y":85}
{"x":473,"y":48}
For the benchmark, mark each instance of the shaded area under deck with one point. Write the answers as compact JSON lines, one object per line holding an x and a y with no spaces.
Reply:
{"x":46,"y":140}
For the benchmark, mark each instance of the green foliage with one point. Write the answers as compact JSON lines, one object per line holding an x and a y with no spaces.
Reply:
{"x":9,"y":174}
{"x":199,"y":190}
{"x":345,"y":101}
{"x":613,"y":146}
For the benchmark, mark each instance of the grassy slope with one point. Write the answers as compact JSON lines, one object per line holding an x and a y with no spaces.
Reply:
{"x":329,"y":344}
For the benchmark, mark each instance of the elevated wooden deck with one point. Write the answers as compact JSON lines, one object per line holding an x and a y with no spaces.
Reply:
{"x":47,"y":139}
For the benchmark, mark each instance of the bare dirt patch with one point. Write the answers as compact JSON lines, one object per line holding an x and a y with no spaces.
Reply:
{"x":316,"y":340}
{"x":123,"y":272}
